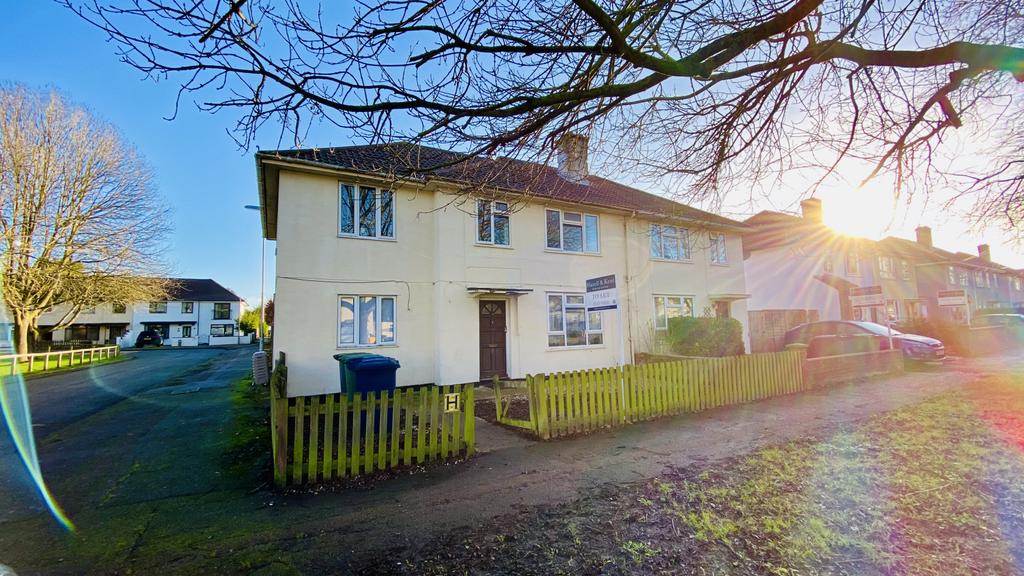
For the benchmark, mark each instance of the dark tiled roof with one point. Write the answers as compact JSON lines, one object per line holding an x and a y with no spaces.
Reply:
{"x":408,"y":161}
{"x":200,"y":290}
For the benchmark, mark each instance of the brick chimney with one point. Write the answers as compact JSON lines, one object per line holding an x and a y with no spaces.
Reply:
{"x":924,"y":236}
{"x":572,"y":157}
{"x":984,"y":253}
{"x":811,"y":210}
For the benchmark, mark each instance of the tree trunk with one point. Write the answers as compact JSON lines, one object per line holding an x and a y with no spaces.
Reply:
{"x":23,"y":328}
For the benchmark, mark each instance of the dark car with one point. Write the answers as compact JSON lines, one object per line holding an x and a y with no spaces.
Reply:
{"x":149,"y":338}
{"x":1011,"y":320}
{"x":914,"y":347}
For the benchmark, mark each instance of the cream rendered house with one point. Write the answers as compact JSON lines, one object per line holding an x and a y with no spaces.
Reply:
{"x":479,"y":268}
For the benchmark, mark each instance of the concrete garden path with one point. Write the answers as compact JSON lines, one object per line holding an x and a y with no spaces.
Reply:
{"x":181,"y":515}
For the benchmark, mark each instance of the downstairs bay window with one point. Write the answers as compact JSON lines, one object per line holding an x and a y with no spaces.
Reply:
{"x":366,"y":320}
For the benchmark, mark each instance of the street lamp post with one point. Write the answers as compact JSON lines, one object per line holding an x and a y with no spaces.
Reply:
{"x":263,"y":260}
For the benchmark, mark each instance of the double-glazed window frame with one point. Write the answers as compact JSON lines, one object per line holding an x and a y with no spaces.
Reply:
{"x":559,"y":333}
{"x":718,"y":249}
{"x":158,"y":307}
{"x":222,"y":311}
{"x":887,"y":267}
{"x":353,"y":203}
{"x":188,"y":307}
{"x":852,"y":264}
{"x":488,"y":214}
{"x":684,"y":302}
{"x":665,"y":236}
{"x":587,"y":221}
{"x":224,"y":329}
{"x":382,"y":335}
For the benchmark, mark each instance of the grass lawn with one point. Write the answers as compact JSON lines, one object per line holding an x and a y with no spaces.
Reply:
{"x":66,"y":362}
{"x":935,"y":488}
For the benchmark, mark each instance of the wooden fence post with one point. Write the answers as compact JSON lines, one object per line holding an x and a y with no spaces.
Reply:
{"x":470,"y":432}
{"x":279,"y":423}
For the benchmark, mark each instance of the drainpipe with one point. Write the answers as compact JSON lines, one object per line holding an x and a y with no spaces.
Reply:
{"x":629,"y":290}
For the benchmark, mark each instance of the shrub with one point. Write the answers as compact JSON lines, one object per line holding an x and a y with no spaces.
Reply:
{"x":706,"y":336}
{"x":954,"y":336}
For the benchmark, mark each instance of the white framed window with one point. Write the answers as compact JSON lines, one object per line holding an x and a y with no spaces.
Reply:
{"x":366,"y":320}
{"x":365,"y":212}
{"x":886,"y":267}
{"x":572,"y":231}
{"x":717,"y":249}
{"x":222,"y":329}
{"x":964,"y":278}
{"x":670,"y":242}
{"x":951,"y":275}
{"x":1016,"y":284}
{"x":667,"y":307}
{"x":905,"y":269}
{"x":492,"y":222}
{"x":979,"y":278}
{"x":852,"y":264}
{"x":569,"y":323}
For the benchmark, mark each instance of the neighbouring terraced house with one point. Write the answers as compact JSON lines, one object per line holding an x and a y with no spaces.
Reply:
{"x":799,"y":270}
{"x":198,"y":312}
{"x":478,"y":268}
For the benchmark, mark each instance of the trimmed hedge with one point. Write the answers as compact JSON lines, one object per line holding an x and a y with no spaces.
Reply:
{"x":706,"y":336}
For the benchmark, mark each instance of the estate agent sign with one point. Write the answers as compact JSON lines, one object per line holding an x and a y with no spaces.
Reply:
{"x":866,"y":296}
{"x":601,"y":294}
{"x":951,"y":297}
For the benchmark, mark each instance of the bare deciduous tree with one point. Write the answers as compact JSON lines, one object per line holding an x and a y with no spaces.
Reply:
{"x":716,"y":91}
{"x":79,"y":217}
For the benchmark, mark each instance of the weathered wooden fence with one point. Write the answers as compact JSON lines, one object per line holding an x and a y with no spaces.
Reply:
{"x":320,"y":438}
{"x":582,"y":401}
{"x":28,"y":363}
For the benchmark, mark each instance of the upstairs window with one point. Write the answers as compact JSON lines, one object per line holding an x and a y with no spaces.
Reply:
{"x":158,"y":307}
{"x":221,"y":311}
{"x":905,"y":269}
{"x":572,"y":232}
{"x":717,"y":249}
{"x":951,"y":275}
{"x":826,"y":265}
{"x":670,"y":242}
{"x":119,"y":308}
{"x":186,"y":307}
{"x":492,"y":222}
{"x":366,"y":212}
{"x":886,"y":267}
{"x":852,"y":264}
{"x":963,"y":277}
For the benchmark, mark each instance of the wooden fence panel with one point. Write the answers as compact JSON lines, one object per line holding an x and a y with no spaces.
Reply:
{"x":328,"y":436}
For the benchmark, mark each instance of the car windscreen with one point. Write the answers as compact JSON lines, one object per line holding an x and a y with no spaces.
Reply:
{"x":878,"y":329}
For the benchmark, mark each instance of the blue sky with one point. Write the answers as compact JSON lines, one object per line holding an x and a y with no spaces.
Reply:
{"x":207,"y":179}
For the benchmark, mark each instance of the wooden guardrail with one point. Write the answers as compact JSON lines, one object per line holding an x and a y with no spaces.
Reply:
{"x":328,"y":436}
{"x":13,"y":363}
{"x":582,"y":401}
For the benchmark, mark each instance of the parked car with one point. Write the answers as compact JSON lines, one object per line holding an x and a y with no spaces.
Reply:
{"x":149,"y":338}
{"x":1012,"y":320}
{"x":914,"y":347}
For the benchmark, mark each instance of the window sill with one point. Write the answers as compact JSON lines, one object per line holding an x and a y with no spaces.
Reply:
{"x":491,"y":245}
{"x":570,"y":348}
{"x":371,"y":238}
{"x":671,"y":261}
{"x":720,"y":264}
{"x":555,"y":251}
{"x":366,"y":346}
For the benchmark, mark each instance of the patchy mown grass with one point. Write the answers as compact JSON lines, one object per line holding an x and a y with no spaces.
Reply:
{"x":248,"y":454}
{"x":935,"y":488}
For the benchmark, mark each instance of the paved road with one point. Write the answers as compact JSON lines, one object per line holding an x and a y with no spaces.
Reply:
{"x":101,"y":408}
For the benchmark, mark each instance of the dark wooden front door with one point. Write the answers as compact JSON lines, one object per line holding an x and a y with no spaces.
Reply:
{"x":492,"y":339}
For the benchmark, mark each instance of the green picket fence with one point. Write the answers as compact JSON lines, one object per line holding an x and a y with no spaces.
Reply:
{"x":583,"y":401}
{"x":320,"y":438}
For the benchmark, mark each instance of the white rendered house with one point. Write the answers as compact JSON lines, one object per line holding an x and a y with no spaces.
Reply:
{"x":200,"y":312}
{"x":478,"y":269}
